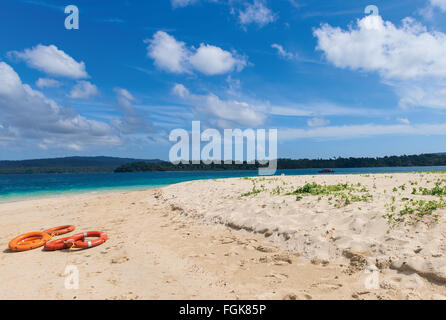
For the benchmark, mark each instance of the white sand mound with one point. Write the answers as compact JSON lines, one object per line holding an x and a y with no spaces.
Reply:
{"x":324,"y":227}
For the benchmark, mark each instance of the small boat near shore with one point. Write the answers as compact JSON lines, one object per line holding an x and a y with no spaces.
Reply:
{"x":327,"y":171}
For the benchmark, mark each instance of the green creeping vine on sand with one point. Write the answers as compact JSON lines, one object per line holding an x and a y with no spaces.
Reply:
{"x":254,"y":190}
{"x":414,"y":210}
{"x":438,"y":190}
{"x":404,"y":210}
{"x":344,"y":193}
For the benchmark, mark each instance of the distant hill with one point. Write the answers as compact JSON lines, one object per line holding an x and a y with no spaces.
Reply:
{"x":67,"y":165}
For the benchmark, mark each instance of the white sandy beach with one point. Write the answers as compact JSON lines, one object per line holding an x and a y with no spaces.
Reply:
{"x":238,"y":239}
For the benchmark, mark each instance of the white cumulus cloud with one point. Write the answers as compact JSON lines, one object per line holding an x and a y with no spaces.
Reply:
{"x":168,"y":53}
{"x":212,"y":60}
{"x":409,"y":57}
{"x":257,"y":12}
{"x":282,"y":52}
{"x":47,"y":83}
{"x":180,"y":90}
{"x":83,"y":90}
{"x":51,"y":60}
{"x":174,"y":56}
{"x":223,"y":113}
{"x":28,"y":114}
{"x":441,"y":4}
{"x":375,"y":45}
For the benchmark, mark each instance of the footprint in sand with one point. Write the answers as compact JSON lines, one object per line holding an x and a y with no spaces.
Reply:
{"x":327,"y":286}
{"x":281,"y":259}
{"x":298,"y":296}
{"x":280,"y":276}
{"x":317,"y":261}
{"x":119,"y":260}
{"x":264,"y":259}
{"x":266,"y":249}
{"x":113,"y":281}
{"x":227,"y":240}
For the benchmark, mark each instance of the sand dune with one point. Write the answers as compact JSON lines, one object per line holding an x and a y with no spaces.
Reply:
{"x":238,"y":238}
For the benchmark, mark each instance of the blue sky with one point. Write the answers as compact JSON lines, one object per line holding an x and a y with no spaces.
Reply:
{"x":333,"y":80}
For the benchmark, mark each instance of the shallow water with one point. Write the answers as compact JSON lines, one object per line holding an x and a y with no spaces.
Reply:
{"x":19,"y":186}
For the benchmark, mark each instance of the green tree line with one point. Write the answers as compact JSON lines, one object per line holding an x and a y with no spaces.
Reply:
{"x":393,"y":161}
{"x":110,"y":164}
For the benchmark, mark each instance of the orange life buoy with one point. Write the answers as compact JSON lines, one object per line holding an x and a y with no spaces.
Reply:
{"x":57,"y":231}
{"x":63,"y":243}
{"x":29,"y":241}
{"x":102,"y":237}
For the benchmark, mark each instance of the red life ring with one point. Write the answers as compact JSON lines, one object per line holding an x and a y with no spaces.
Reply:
{"x":57,"y":231}
{"x":102,"y":237}
{"x":63,"y":243}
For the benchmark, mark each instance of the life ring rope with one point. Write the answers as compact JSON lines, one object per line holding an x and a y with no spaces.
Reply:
{"x":101,"y":238}
{"x":77,"y":241}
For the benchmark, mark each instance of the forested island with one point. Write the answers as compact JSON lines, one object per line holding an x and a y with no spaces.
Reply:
{"x":119,"y":165}
{"x":438,"y":159}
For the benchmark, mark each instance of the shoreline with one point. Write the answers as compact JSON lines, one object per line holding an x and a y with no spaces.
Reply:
{"x":243,"y":238}
{"x":55,"y":193}
{"x":30,"y":197}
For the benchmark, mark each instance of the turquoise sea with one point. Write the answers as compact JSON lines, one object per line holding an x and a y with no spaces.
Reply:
{"x":18,"y":186}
